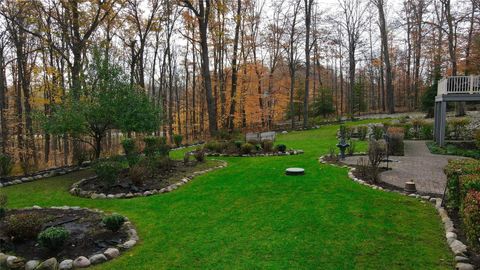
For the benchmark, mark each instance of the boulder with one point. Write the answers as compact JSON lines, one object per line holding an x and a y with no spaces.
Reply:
{"x":464,"y":266}
{"x":31,"y":265}
{"x":129,"y":244}
{"x":49,"y":264}
{"x":111,"y":253}
{"x":458,"y":247}
{"x":3,"y":259}
{"x":81,"y":262}
{"x":97,"y":258}
{"x":15,"y":262}
{"x":66,"y":265}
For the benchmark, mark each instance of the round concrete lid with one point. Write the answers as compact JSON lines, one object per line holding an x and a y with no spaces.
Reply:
{"x":295,"y":171}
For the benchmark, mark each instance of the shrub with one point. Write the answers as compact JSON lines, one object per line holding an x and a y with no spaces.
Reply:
{"x":139,"y":172}
{"x":53,"y":238}
{"x":156,"y":146}
{"x":477,"y":138}
{"x":395,"y":144}
{"x":23,"y":226}
{"x":454,"y":170}
{"x":238,"y":144}
{"x":113,"y":222}
{"x":215,"y":146}
{"x":108,"y":171}
{"x":468,"y":182}
{"x":471,"y":218}
{"x":177,"y":139}
{"x":199,"y":155}
{"x":281,"y":148}
{"x":376,"y":153}
{"x":459,"y":127}
{"x":351,"y":147}
{"x":377,"y":132}
{"x":6,"y":165}
{"x":426,"y":131}
{"x":247,"y":148}
{"x":332,"y":153}
{"x":186,"y":158}
{"x":161,"y":162}
{"x":267,"y":146}
{"x":362,"y":132}
{"x":407,"y":131}
{"x":417,"y":123}
{"x":131,"y":152}
{"x":3,"y":204}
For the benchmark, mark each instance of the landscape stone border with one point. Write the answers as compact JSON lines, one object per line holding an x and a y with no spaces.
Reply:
{"x":43,"y":174}
{"x":13,"y":262}
{"x":77,"y":191}
{"x":458,"y":248}
{"x":286,"y":153}
{"x":61,"y":171}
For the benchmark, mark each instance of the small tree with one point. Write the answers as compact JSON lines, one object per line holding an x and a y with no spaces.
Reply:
{"x":108,"y":102}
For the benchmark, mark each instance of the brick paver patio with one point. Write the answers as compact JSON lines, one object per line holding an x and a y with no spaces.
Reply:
{"x":419,"y":165}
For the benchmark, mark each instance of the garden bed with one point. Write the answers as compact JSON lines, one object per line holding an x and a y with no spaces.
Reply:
{"x":88,"y":240}
{"x":456,"y":148}
{"x":163,"y":180}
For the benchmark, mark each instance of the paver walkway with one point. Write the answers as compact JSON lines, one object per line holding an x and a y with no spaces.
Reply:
{"x":419,"y":165}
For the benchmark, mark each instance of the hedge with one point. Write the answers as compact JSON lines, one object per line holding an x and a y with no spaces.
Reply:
{"x":454,"y":170}
{"x":471,"y":218}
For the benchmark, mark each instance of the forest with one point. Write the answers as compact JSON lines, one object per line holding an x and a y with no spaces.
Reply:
{"x":76,"y":76}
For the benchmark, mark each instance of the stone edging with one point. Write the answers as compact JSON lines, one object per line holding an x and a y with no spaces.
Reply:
{"x":77,"y":191}
{"x":286,"y":153}
{"x":458,"y":248}
{"x":12,"y":262}
{"x":42,"y":175}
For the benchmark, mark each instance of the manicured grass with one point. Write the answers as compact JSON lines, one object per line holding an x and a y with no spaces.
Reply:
{"x":251,"y":216}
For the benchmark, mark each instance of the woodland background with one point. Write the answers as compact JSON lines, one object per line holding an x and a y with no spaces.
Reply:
{"x":215,"y":66}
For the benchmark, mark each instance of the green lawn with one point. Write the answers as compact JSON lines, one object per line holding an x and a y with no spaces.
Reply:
{"x":251,"y":216}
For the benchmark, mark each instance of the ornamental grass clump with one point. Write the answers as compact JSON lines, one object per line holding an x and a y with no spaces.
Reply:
{"x":362,"y":132}
{"x":131,"y":151}
{"x":376,"y":153}
{"x":53,"y":238}
{"x":247,"y":148}
{"x":108,"y":171}
{"x":23,"y":226}
{"x":281,"y":148}
{"x":6,"y":165}
{"x":471,"y":218}
{"x":3,"y":205}
{"x":113,"y":222}
{"x":395,"y":144}
{"x":458,"y":126}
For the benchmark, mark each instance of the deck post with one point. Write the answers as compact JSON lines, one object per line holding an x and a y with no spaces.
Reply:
{"x":443,"y":121}
{"x":435,"y":117}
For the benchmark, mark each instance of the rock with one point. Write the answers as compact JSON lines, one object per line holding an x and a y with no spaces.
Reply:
{"x":433,"y":200}
{"x":284,"y":132}
{"x":451,"y":235}
{"x":147,"y":193}
{"x":3,"y":259}
{"x":461,"y":259}
{"x":133,"y":234}
{"x":15,"y":182}
{"x":66,"y":265}
{"x":464,"y":266}
{"x":129,"y":244}
{"x":30,"y":265}
{"x":458,"y":247}
{"x":129,"y":195}
{"x":81,"y":262}
{"x":111,"y":253}
{"x":36,"y":207}
{"x":15,"y":262}
{"x":97,"y":258}
{"x":50,"y":264}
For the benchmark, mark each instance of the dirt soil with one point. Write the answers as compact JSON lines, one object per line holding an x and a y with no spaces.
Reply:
{"x":87,"y":235}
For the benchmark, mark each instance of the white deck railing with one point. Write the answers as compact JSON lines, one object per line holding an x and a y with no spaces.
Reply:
{"x":459,"y":85}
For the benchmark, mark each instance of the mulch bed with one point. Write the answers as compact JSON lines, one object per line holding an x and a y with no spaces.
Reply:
{"x":87,"y":235}
{"x":160,"y":179}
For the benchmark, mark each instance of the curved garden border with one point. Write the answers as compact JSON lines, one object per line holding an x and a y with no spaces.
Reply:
{"x":43,"y":174}
{"x":12,"y":262}
{"x":286,"y":153}
{"x":458,"y":248}
{"x":77,"y":191}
